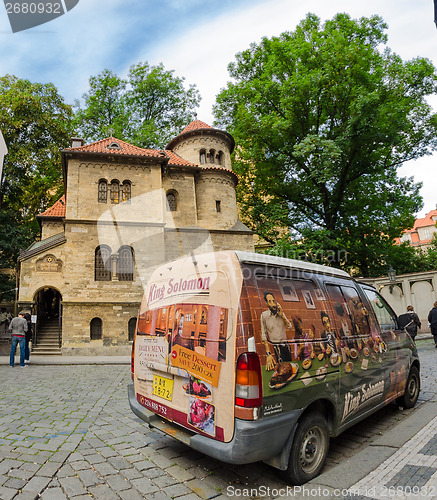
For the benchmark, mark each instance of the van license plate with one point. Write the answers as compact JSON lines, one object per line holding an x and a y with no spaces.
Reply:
{"x":163,"y":387}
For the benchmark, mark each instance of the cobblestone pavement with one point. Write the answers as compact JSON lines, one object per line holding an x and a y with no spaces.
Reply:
{"x":68,"y":432}
{"x":411,"y":472}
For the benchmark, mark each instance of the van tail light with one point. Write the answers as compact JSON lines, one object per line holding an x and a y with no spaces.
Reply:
{"x":132,"y":363}
{"x":248,"y":384}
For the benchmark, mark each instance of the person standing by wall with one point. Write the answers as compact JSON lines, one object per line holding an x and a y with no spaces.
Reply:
{"x":18,"y":328}
{"x":29,"y":332}
{"x":432,"y":319}
{"x":410,"y":321}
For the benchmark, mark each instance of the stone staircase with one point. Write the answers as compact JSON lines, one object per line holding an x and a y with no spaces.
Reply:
{"x":47,"y":338}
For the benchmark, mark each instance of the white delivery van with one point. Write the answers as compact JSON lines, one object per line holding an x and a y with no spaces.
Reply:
{"x":248,"y":357}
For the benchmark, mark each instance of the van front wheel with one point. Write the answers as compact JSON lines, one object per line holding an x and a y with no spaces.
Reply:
{"x":309,"y":449}
{"x":412,"y":389}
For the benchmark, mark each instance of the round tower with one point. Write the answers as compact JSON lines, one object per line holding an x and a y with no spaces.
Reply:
{"x":204,"y":145}
{"x":210,"y":149}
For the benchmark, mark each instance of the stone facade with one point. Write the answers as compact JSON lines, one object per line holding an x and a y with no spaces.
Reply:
{"x":126,"y":210}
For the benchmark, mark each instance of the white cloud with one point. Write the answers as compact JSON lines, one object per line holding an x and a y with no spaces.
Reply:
{"x":191,"y":38}
{"x":203,"y":53}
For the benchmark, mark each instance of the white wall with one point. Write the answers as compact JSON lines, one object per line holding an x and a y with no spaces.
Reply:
{"x":416,"y":289}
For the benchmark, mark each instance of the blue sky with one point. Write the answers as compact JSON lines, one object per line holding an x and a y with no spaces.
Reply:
{"x":197,"y":39}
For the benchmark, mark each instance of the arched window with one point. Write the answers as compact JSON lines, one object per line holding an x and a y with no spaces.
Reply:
{"x":126,"y":191}
{"x":125,"y":264}
{"x":96,"y":329}
{"x":103,"y":191}
{"x":211,"y":156}
{"x":102,"y":263}
{"x":220,"y":157}
{"x":172,"y":202}
{"x":115,"y":191}
{"x":202,"y":156}
{"x":131,"y":328}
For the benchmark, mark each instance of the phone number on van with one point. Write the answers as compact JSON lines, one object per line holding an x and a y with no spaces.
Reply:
{"x":153,"y":405}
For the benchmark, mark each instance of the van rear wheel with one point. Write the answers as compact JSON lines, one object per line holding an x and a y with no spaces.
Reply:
{"x":309,"y":449}
{"x":412,"y":389}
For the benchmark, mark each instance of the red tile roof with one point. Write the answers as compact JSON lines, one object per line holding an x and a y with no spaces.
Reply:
{"x":196,"y":125}
{"x":202,"y":127}
{"x":429,"y":220}
{"x":426,"y":221}
{"x":56,"y":210}
{"x":117,"y":146}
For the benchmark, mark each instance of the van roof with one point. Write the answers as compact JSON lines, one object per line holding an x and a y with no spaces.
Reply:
{"x":257,"y":258}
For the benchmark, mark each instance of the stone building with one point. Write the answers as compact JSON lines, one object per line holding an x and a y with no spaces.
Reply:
{"x":125,"y":210}
{"x":422,"y":233}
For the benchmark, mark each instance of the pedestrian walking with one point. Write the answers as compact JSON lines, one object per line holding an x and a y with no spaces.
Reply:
{"x":29,"y":332}
{"x":432,"y":320}
{"x":18,"y":328}
{"x":410,"y":321}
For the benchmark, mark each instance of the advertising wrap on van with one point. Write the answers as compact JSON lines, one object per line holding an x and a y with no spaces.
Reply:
{"x":320,"y":340}
{"x":184,"y":337}
{"x":232,"y":345}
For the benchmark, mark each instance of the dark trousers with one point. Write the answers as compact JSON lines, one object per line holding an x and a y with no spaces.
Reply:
{"x":27,"y":350}
{"x":434,"y":333}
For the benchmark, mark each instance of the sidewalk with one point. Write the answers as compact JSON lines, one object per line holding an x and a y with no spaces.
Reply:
{"x":70,"y":360}
{"x":400,"y":464}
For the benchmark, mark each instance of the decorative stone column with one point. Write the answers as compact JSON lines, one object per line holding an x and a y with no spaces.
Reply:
{"x":114,"y":261}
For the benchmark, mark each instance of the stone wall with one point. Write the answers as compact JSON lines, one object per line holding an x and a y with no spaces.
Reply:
{"x":212,"y":187}
{"x":115,"y":318}
{"x":416,"y":289}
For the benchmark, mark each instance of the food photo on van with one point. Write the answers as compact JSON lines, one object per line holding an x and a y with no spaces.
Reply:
{"x":248,"y":357}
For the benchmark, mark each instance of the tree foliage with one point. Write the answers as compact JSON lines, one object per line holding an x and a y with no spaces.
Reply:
{"x":35,"y":123}
{"x":148,"y":108}
{"x":14,"y":235}
{"x":324,"y":116}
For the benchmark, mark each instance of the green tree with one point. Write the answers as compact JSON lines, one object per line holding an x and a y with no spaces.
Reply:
{"x":14,"y":235}
{"x":148,"y":109}
{"x":35,"y":123}
{"x":324,"y":116}
{"x":104,"y":113}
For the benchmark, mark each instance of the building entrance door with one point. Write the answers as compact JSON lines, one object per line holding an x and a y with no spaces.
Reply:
{"x":48,"y":328}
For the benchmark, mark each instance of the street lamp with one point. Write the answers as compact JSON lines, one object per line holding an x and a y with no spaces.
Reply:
{"x":391,"y":273}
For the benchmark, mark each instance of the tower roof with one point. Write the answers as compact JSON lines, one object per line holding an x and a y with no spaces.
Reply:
{"x":197,"y":127}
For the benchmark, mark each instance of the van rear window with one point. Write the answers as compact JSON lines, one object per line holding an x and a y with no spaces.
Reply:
{"x":199,"y":327}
